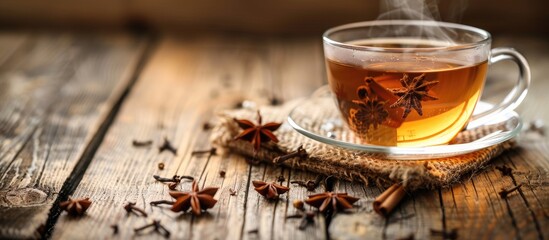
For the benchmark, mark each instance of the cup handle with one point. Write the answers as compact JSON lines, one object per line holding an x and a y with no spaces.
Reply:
{"x":517,"y":94}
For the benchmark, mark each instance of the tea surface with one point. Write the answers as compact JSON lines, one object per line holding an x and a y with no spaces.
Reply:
{"x":406,"y":103}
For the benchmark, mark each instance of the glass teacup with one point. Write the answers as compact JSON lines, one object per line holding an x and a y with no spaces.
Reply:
{"x":413,"y":83}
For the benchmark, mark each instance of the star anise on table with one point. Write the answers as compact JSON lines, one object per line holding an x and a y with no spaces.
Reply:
{"x":257,"y":134}
{"x":269,"y":190}
{"x":412,"y":93}
{"x":75,"y":207}
{"x":196,"y":199}
{"x":331,"y":201}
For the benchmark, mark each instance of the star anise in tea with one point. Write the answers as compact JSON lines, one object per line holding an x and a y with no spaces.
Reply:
{"x":196,"y":199}
{"x":371,"y":112}
{"x":75,"y":207}
{"x":257,"y":134}
{"x":269,"y":190}
{"x":331,"y":201}
{"x":412,"y":93}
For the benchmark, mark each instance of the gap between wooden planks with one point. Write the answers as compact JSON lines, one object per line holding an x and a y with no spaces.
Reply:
{"x":55,"y":92}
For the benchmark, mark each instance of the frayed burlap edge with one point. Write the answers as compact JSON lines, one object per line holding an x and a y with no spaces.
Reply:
{"x":346,"y":164}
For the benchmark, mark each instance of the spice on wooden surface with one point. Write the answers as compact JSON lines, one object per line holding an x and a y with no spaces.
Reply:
{"x":206,"y":126}
{"x":161,"y":166}
{"x":211,"y":152}
{"x":257,"y":134}
{"x":386,"y":202}
{"x":412,"y":93}
{"x":311,"y":185}
{"x":174,"y":181}
{"x":329,"y":183}
{"x":269,"y":190}
{"x":196,"y":199}
{"x":160,"y":202}
{"x":298,"y":204}
{"x":307,"y":218}
{"x":145,"y":143}
{"x":299,"y":153}
{"x":232,"y":192}
{"x":331,"y":201}
{"x":114,"y":229}
{"x":75,"y":207}
{"x":167,"y":146}
{"x":156,"y":226}
{"x":175,"y":178}
{"x":274,"y":101}
{"x":131,"y":208}
{"x":505,"y":171}
{"x":222,"y":173}
{"x":280,"y":179}
{"x":505,"y":192}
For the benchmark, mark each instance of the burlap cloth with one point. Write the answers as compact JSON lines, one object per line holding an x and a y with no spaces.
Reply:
{"x":349,"y":164}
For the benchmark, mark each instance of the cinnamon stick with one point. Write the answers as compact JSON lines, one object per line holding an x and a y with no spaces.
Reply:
{"x":389,"y":199}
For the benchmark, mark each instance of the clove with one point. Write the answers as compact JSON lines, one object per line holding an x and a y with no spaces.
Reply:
{"x":114,"y":229}
{"x":505,"y":171}
{"x":306,"y":218}
{"x":157,"y":227}
{"x":310,"y":184}
{"x":137,"y":143}
{"x":211,"y":152}
{"x":174,"y":181}
{"x":175,"y":178}
{"x":280,"y":179}
{"x":300,"y":152}
{"x":131,"y":208}
{"x":167,"y":146}
{"x":160,"y":202}
{"x":505,"y":192}
{"x":232,"y":192}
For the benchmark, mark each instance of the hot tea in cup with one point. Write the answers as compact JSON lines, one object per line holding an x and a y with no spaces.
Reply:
{"x":412,"y":83}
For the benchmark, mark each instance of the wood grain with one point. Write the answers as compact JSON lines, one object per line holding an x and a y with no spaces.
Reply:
{"x":171,"y":99}
{"x":56,"y":91}
{"x":186,"y":81}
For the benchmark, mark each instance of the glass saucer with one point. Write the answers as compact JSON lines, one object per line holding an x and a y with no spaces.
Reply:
{"x":318,"y":118}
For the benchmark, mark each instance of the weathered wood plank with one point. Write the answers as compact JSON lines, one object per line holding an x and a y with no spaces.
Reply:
{"x":56,"y":91}
{"x":186,"y":80}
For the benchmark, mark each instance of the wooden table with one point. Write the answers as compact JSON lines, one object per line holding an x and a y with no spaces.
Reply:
{"x":71,"y":105}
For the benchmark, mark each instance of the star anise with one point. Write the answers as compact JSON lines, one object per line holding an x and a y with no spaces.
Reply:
{"x":331,"y":200}
{"x":197,"y":200}
{"x":75,"y":207}
{"x":257,"y":134}
{"x":269,"y":190}
{"x":412,"y":93}
{"x":371,"y":112}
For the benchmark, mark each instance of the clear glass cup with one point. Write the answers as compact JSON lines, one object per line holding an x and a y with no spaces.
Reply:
{"x":414,"y":83}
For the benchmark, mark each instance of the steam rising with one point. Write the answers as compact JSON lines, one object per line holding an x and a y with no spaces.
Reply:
{"x":425,"y":10}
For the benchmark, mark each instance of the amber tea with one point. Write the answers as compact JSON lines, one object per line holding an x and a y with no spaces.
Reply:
{"x":414,"y":83}
{"x":406,"y":103}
